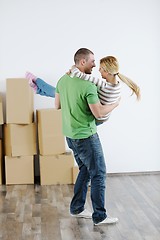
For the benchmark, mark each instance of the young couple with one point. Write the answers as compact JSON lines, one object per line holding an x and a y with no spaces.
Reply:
{"x":84,"y":101}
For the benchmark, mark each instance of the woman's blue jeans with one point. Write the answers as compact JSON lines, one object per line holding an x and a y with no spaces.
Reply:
{"x":89,"y":156}
{"x":44,"y":88}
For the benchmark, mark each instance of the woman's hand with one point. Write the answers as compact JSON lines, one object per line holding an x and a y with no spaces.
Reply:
{"x":70,"y":70}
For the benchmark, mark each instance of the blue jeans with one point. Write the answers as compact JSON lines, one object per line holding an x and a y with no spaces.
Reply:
{"x":90,"y":159}
{"x":44,"y":88}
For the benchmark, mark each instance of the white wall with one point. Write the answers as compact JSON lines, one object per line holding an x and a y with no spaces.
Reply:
{"x":42,"y":36}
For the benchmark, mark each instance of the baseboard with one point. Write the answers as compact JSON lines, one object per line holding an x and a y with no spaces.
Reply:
{"x":133,"y":173}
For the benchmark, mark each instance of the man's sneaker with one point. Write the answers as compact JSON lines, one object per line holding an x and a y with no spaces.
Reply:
{"x":108,"y":220}
{"x":84,"y":214}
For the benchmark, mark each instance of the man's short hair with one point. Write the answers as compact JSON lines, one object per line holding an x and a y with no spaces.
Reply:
{"x":82,"y":53}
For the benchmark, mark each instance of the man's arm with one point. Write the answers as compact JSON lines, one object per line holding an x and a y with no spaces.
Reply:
{"x":57,"y":101}
{"x":99,"y":110}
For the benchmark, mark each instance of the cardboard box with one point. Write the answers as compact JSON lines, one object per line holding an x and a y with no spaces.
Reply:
{"x":20,"y":140}
{"x":19,"y":170}
{"x":1,"y":162}
{"x":1,"y":111}
{"x":19,"y":101}
{"x":75,"y":171}
{"x":50,"y":136}
{"x":56,"y":169}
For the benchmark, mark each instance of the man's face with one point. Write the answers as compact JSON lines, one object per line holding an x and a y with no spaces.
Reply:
{"x":89,"y":64}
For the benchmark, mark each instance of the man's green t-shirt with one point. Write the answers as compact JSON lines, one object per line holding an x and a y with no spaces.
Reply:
{"x":75,"y":94}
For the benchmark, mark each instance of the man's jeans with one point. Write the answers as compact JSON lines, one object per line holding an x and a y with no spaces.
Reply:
{"x":90,"y":159}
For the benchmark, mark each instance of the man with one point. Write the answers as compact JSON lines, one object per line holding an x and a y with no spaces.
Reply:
{"x":80,"y":105}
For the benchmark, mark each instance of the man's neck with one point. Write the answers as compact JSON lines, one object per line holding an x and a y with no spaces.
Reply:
{"x":80,"y":68}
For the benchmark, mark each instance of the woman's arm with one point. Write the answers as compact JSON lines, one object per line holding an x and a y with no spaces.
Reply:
{"x":99,"y":82}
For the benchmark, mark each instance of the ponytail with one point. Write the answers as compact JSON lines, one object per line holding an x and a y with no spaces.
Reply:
{"x":132,"y":85}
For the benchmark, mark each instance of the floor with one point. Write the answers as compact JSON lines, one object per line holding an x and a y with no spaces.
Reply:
{"x":34,"y":212}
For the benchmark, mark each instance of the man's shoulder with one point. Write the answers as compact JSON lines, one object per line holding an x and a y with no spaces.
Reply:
{"x":64,"y":77}
{"x":77,"y":83}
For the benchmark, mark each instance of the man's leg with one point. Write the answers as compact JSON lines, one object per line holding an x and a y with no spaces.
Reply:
{"x":81,"y":184}
{"x":90,"y":154}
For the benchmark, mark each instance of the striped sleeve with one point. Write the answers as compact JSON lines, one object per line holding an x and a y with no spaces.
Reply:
{"x":108,"y":93}
{"x":75,"y":72}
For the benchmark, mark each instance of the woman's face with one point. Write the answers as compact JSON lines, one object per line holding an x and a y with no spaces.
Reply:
{"x":103,"y":72}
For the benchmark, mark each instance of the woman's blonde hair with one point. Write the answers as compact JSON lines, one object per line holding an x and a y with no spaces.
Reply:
{"x":110,"y":64}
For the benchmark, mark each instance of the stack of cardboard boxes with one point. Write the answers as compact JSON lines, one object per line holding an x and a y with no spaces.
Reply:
{"x":20,"y":139}
{"x":1,"y":123}
{"x":55,"y":163}
{"x":19,"y":132}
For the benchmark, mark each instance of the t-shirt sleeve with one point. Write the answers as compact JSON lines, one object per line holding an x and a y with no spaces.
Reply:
{"x":92,"y":95}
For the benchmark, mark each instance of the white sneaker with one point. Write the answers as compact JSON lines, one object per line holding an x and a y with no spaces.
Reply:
{"x":108,"y":220}
{"x":84,"y":214}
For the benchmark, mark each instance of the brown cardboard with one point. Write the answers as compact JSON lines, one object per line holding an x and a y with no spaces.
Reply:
{"x":1,"y":111}
{"x":56,"y":169}
{"x":19,"y":170}
{"x":20,"y":140}
{"x":75,"y":171}
{"x":19,"y":101}
{"x":0,"y":161}
{"x":50,"y":136}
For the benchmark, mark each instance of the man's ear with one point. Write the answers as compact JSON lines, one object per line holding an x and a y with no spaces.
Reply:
{"x":83,"y":62}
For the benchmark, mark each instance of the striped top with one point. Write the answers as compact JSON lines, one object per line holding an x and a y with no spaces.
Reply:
{"x":108,"y":93}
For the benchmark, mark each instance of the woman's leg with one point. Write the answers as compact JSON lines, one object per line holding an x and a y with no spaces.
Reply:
{"x":40,"y":86}
{"x":44,"y":88}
